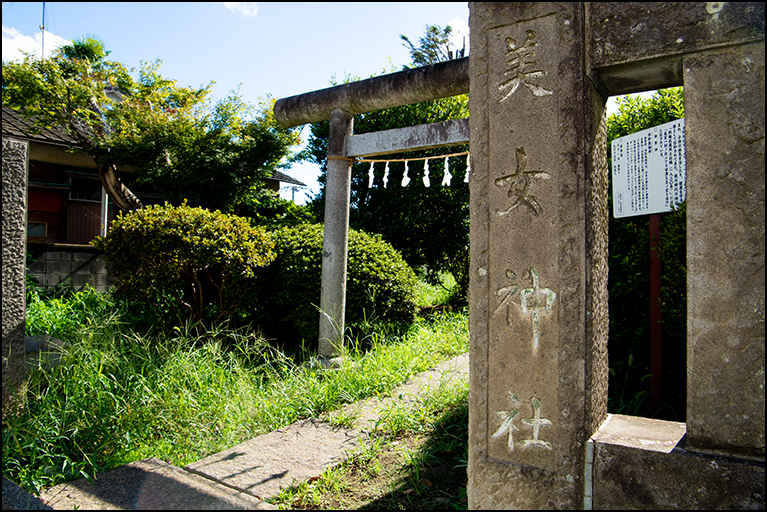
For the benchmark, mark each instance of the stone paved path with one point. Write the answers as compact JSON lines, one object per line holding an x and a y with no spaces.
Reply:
{"x":242,"y":476}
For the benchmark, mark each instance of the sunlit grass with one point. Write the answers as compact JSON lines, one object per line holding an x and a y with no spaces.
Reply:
{"x":429,"y":295}
{"x":120,"y":396}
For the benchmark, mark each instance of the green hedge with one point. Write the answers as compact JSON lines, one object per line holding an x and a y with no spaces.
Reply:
{"x":185,"y":261}
{"x":380,"y":285}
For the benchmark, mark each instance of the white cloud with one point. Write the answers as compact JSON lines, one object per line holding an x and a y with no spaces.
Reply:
{"x":245,"y":8}
{"x":14,"y":42}
{"x":460,"y":30}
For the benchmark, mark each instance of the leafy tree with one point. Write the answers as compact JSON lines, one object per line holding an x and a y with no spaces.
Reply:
{"x":265,"y":208}
{"x":629,"y":283}
{"x":172,"y":136}
{"x":433,"y":47}
{"x":428,"y":225}
{"x":87,"y":47}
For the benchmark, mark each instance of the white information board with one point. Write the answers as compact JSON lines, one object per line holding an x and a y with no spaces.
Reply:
{"x":649,"y":171}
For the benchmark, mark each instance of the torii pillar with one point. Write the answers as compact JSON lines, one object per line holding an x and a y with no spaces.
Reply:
{"x":335,"y":242}
{"x":339,"y":104}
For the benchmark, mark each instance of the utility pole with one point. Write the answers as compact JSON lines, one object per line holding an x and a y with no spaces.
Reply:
{"x":293,"y":189}
{"x":42,"y":27}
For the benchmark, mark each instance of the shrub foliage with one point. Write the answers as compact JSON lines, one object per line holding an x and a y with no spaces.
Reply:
{"x":379,"y":283}
{"x":189,"y":261}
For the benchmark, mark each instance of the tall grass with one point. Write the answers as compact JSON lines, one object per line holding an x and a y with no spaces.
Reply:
{"x":121,"y":396}
{"x":430,"y":295}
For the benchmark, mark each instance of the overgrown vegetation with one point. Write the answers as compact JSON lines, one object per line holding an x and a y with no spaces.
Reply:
{"x":379,"y":286}
{"x":130,"y":387}
{"x":187,"y":263}
{"x":123,"y":395}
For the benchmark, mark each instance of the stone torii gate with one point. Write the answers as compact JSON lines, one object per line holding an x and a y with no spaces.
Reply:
{"x":339,"y":105}
{"x":539,"y":77}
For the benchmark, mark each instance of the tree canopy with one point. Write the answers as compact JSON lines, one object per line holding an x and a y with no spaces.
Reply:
{"x":428,"y":225}
{"x":433,"y":46}
{"x":172,"y":136}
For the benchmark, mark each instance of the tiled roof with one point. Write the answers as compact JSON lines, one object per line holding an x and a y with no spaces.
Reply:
{"x":14,"y":125}
{"x":284,"y":178}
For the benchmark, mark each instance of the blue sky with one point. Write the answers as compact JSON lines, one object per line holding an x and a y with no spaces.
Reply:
{"x":276,"y":48}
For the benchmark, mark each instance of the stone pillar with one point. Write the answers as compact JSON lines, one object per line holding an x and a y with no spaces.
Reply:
{"x":538,"y":294}
{"x":15,"y":165}
{"x":724,"y":111}
{"x":336,"y":238}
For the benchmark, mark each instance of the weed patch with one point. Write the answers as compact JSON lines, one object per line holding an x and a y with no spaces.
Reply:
{"x":182,"y":395}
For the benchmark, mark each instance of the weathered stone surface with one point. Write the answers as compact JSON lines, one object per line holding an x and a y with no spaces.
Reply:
{"x":632,"y":46}
{"x":534,"y":122}
{"x":335,"y":240}
{"x":724,"y":116}
{"x":642,"y":433}
{"x":269,"y":463}
{"x":15,"y":165}
{"x":403,"y":88}
{"x":424,"y":136}
{"x":149,"y":484}
{"x":628,"y":478}
{"x":16,"y":498}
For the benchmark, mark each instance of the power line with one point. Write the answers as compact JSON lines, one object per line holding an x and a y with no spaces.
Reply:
{"x":95,"y":29}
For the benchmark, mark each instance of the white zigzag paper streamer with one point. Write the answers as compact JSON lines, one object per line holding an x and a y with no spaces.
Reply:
{"x":370,"y":176}
{"x":446,"y":179}
{"x":406,"y":178}
{"x":468,"y":168}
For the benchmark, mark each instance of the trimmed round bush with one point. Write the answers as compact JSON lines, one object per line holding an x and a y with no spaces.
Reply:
{"x":379,"y":285}
{"x":192,"y":261}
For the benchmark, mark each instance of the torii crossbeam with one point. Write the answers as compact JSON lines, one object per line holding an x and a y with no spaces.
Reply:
{"x":339,"y":104}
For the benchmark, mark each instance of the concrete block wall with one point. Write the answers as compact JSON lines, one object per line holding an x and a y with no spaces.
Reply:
{"x":63,"y":263}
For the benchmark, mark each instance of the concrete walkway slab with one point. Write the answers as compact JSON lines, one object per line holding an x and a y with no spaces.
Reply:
{"x":16,"y":498}
{"x":265,"y":465}
{"x":149,"y":484}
